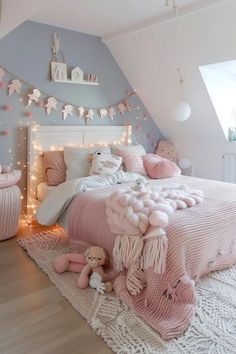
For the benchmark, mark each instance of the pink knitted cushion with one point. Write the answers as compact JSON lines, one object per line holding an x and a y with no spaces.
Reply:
{"x":9,"y":179}
{"x":133,"y":162}
{"x":159,"y":167}
{"x":55,"y":167}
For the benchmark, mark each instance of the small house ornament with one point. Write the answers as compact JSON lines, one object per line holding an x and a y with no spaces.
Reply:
{"x":59,"y":69}
{"x":77,"y":74}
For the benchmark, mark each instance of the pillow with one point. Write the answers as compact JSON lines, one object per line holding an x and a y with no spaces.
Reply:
{"x":8,"y":179}
{"x":55,"y":167}
{"x":104,"y":163}
{"x":133,"y":162}
{"x":77,"y":160}
{"x":138,"y":149}
{"x":159,"y":167}
{"x":167,"y":150}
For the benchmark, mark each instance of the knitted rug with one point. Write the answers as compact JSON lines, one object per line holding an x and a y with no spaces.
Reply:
{"x":213,"y":329}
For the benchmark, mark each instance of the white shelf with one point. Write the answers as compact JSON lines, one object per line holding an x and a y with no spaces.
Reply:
{"x":77,"y":82}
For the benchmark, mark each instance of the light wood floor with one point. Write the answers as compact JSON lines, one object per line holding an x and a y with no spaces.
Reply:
{"x":34,"y":317}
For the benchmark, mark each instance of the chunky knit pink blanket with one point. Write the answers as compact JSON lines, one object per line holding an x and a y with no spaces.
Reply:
{"x":138,"y":215}
{"x":200,"y":240}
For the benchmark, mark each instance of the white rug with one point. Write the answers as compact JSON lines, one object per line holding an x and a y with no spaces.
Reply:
{"x":213,"y":329}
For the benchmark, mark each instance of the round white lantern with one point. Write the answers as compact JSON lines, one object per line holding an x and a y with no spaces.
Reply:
{"x":182,"y":111}
{"x":185,"y":163}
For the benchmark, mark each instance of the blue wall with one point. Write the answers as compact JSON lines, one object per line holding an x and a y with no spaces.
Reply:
{"x":26,"y":52}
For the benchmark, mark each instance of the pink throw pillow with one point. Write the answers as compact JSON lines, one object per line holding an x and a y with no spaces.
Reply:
{"x":55,"y":167}
{"x":159,"y":167}
{"x":133,"y":162}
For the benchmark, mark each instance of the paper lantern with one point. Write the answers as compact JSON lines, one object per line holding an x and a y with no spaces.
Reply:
{"x":185,"y":163}
{"x":182,"y":111}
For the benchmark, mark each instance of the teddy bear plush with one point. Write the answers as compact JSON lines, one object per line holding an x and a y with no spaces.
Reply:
{"x":93,"y":273}
{"x":90,"y":266}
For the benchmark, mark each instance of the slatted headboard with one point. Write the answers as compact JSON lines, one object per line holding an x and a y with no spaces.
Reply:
{"x":43,"y":138}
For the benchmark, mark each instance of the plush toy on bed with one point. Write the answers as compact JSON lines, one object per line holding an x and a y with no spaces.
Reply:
{"x":90,"y":267}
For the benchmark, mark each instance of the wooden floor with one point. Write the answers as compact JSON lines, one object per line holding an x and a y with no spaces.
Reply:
{"x":34,"y":317}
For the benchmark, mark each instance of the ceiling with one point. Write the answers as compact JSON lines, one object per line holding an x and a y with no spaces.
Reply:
{"x":103,"y":17}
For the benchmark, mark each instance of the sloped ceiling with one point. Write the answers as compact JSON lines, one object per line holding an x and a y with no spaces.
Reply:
{"x":149,"y":57}
{"x":13,"y":13}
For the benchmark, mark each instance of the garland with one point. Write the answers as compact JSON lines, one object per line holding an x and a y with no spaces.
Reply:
{"x":50,"y":103}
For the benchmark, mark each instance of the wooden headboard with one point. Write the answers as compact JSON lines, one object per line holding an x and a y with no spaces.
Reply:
{"x":44,"y":138}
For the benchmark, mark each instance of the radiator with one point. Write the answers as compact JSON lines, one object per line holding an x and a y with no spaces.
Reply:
{"x":230,"y":168}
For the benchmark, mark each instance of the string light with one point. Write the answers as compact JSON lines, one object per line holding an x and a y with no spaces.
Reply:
{"x":37,"y":151}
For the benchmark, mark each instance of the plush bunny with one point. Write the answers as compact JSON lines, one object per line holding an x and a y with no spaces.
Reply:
{"x":93,"y":273}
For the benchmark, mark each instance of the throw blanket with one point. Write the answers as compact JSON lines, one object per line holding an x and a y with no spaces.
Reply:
{"x":55,"y":204}
{"x":138,"y":216}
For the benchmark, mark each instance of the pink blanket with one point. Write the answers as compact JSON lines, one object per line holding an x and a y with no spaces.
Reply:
{"x":201,"y":239}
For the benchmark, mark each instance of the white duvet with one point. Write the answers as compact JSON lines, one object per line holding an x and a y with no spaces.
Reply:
{"x":57,"y":201}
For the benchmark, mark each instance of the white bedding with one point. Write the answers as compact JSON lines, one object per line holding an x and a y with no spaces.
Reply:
{"x":43,"y":190}
{"x":61,"y":196}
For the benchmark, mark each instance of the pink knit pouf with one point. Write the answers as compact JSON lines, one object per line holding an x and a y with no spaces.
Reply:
{"x":10,"y":202}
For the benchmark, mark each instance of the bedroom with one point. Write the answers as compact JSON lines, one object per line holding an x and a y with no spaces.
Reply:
{"x":146,"y":90}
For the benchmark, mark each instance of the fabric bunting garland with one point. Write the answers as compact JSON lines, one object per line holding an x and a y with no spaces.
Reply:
{"x":50,"y":103}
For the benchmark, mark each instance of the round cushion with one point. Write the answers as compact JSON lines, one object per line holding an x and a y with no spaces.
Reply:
{"x":10,"y":178}
{"x":159,"y":167}
{"x":10,"y":203}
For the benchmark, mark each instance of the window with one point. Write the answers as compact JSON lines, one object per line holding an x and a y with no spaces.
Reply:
{"x":220,"y":81}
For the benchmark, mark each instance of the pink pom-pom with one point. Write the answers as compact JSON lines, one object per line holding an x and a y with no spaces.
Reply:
{"x":5,"y":132}
{"x":2,"y":84}
{"x":40,"y":104}
{"x":7,"y":108}
{"x":29,"y":114}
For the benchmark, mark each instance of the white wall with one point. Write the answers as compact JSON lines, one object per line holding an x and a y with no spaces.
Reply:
{"x":149,"y":59}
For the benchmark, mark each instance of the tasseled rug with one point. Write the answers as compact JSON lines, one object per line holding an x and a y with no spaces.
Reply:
{"x":213,"y":329}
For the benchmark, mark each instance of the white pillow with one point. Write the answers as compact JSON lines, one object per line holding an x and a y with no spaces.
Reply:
{"x":137,"y":149}
{"x":77,"y":160}
{"x":105,"y":164}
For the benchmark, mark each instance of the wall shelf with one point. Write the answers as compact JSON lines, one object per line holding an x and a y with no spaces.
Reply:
{"x":77,"y":82}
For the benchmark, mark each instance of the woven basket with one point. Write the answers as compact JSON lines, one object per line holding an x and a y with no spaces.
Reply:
{"x":10,"y":202}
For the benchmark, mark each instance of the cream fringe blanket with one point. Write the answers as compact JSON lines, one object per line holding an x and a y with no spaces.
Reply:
{"x":138,"y":216}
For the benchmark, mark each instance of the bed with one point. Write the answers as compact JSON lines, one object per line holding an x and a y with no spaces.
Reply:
{"x":201,"y":239}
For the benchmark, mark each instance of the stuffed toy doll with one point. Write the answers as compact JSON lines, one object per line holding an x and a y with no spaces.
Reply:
{"x":93,"y":273}
{"x":90,"y":266}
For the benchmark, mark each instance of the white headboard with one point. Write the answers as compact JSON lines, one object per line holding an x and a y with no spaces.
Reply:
{"x":44,"y":138}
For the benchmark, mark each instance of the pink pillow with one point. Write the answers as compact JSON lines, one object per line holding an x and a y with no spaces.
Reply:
{"x":133,"y":162}
{"x":159,"y":167}
{"x":55,"y":167}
